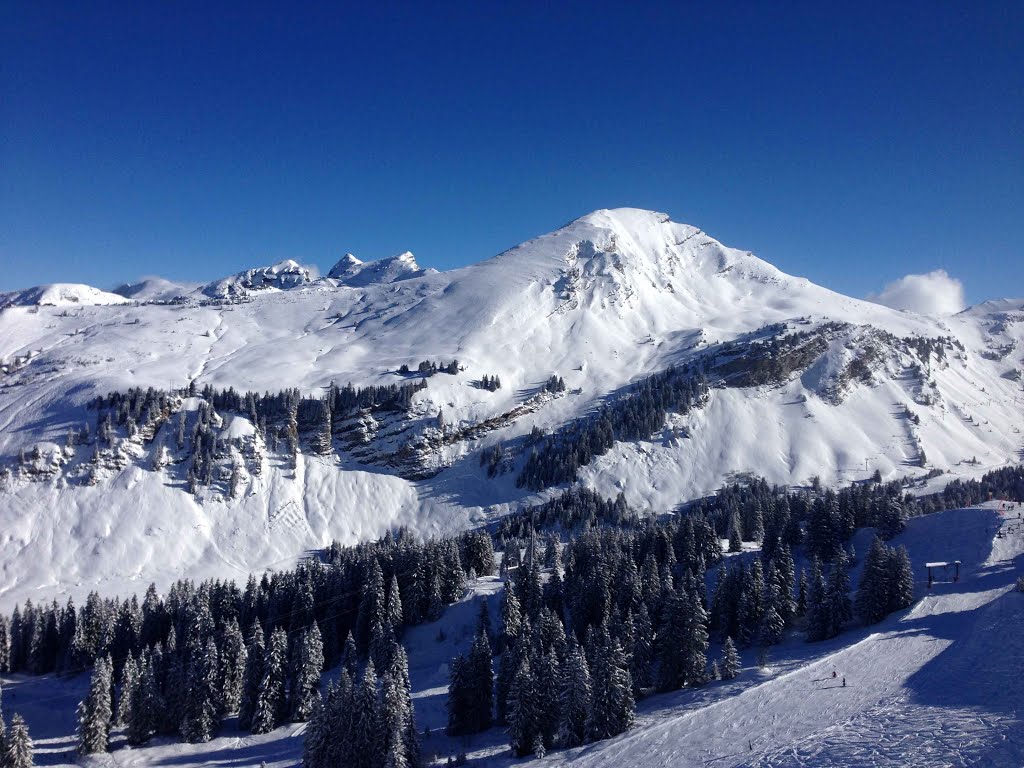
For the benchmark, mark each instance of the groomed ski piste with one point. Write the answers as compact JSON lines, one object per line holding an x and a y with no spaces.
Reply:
{"x":937,"y":684}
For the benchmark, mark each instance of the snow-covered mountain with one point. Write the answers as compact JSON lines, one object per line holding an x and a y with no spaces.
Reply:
{"x":60,"y":295}
{"x":769,"y":374}
{"x":282,"y":276}
{"x":353,"y":272}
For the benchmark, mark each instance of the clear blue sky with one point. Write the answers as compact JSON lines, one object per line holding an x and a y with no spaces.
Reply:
{"x":192,"y":140}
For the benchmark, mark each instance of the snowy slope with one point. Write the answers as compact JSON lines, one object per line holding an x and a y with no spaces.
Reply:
{"x":152,"y":289}
{"x":937,"y":684}
{"x":60,"y":295}
{"x":605,"y":301}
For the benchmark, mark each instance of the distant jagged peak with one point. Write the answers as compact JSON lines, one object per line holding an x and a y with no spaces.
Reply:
{"x":346,"y":264}
{"x":994,"y":306}
{"x":352,"y":272}
{"x":155,"y":289}
{"x":280,"y":276}
{"x":61,"y":295}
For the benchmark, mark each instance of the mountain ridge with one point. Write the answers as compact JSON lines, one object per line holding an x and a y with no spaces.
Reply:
{"x":802,"y":382}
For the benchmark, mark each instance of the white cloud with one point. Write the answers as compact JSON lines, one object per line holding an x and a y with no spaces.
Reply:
{"x":936,"y":293}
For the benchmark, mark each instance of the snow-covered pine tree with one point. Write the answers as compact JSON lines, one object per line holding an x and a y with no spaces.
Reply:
{"x":893,"y":518}
{"x":901,"y":578}
{"x":786,"y":580}
{"x":201,"y":719}
{"x":271,"y":704}
{"x":145,"y":706}
{"x":872,"y":601}
{"x":730,"y":660}
{"x":821,"y":540}
{"x":382,"y":640}
{"x":522,"y":711}
{"x":316,"y":738}
{"x":350,"y":656}
{"x":367,"y":742}
{"x":772,"y":624}
{"x":233,"y":659}
{"x":5,"y":646}
{"x":393,"y":610}
{"x":340,"y":718}
{"x":840,"y":608}
{"x":94,"y":712}
{"x":371,"y":606}
{"x":17,"y":751}
{"x":309,"y":664}
{"x":612,"y":705}
{"x":801,"y":595}
{"x":573,"y":698}
{"x":671,"y":639}
{"x":394,"y":719}
{"x":511,"y":618}
{"x":643,"y":651}
{"x":453,"y":577}
{"x":695,"y":642}
{"x":458,"y":696}
{"x":399,"y":672}
{"x":175,"y":692}
{"x":255,"y":668}
{"x":819,"y":620}
{"x":129,"y":682}
{"x":546,"y":674}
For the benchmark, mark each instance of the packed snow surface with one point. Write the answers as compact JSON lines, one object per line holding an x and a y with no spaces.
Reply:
{"x":603,"y":302}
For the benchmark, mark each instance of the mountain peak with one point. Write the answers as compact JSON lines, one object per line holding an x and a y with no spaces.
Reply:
{"x":281,"y":276}
{"x":60,"y":295}
{"x":357,"y":274}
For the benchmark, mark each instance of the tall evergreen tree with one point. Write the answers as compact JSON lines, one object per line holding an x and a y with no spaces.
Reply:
{"x":255,"y":668}
{"x":573,"y":698}
{"x":523,"y":728}
{"x":459,"y":686}
{"x":643,"y":651}
{"x":201,"y":719}
{"x":612,"y":704}
{"x":730,"y":660}
{"x":129,"y":682}
{"x":17,"y":752}
{"x":902,"y":579}
{"x":872,"y":601}
{"x":271,"y":705}
{"x":233,"y":661}
{"x":511,"y":617}
{"x":399,"y":673}
{"x":366,"y":742}
{"x":695,"y":642}
{"x":393,"y":608}
{"x":840,"y":608}
{"x":307,"y":665}
{"x":146,"y":705}
{"x":94,"y":712}
{"x":819,"y":619}
{"x":371,"y":606}
{"x":671,"y":639}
